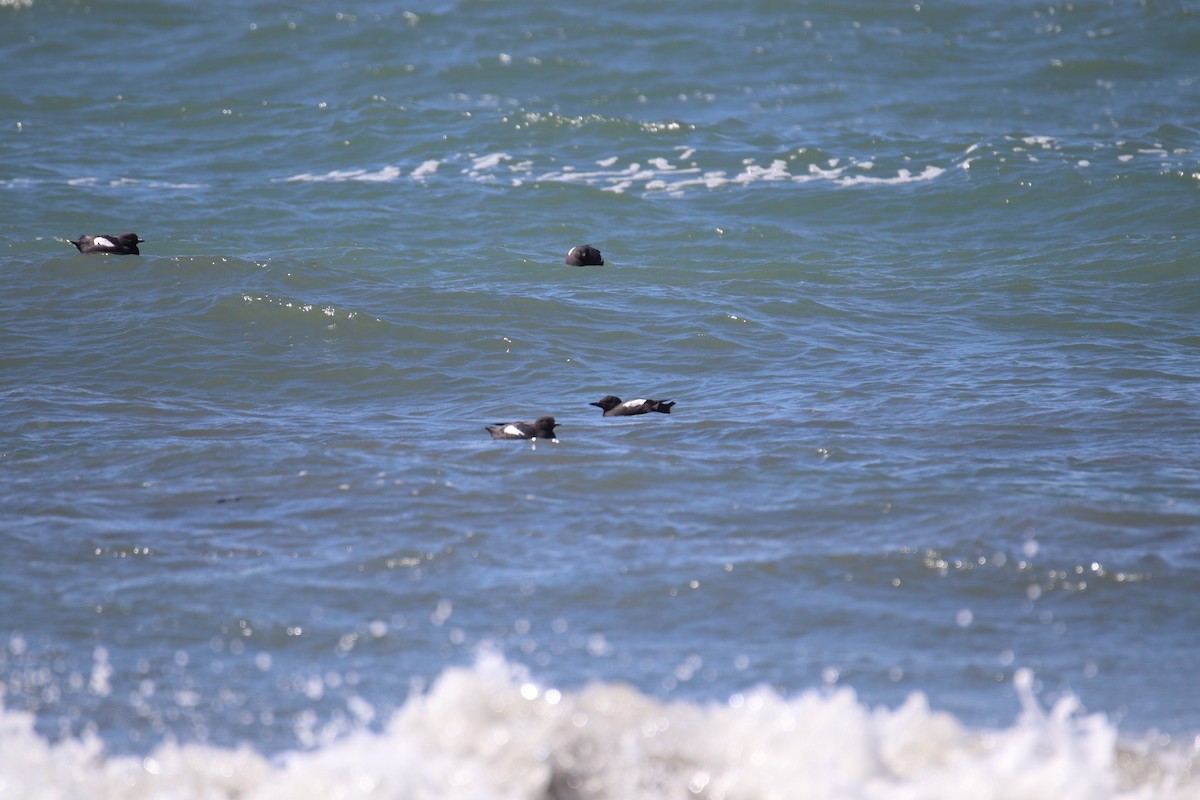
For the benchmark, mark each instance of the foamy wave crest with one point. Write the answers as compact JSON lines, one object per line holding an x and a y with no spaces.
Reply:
{"x":683,"y":169}
{"x":1150,"y":156}
{"x":23,"y":183}
{"x":652,"y":176}
{"x":491,"y":732}
{"x":130,"y":182}
{"x":381,"y":175}
{"x":658,"y":175}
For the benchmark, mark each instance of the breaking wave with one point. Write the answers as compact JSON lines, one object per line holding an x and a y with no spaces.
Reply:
{"x":489,"y":731}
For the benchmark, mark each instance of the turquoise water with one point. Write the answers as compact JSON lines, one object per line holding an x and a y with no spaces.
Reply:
{"x":922,"y":281}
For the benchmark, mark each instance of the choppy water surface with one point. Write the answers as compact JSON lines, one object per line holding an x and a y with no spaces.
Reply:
{"x":921,"y":280}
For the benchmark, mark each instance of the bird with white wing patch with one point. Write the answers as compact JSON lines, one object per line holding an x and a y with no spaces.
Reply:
{"x":124,"y":245}
{"x":540,"y":428}
{"x":614,"y":407}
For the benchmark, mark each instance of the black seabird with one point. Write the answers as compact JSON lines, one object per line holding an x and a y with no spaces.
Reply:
{"x":540,"y":428}
{"x":584,"y":255}
{"x":124,"y":245}
{"x":613,"y":407}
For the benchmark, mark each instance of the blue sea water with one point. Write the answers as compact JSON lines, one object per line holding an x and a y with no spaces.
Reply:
{"x":922,"y":279}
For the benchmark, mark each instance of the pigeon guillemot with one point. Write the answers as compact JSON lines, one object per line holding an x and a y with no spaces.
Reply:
{"x":613,"y":407}
{"x":124,"y":245}
{"x":584,"y":255}
{"x":540,"y":428}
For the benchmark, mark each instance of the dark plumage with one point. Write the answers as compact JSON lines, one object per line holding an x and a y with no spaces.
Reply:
{"x":613,"y":407}
{"x":124,"y":245}
{"x":584,"y":255}
{"x":540,"y":428}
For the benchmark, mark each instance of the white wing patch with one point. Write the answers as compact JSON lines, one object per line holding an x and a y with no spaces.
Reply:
{"x":102,"y":241}
{"x":513,"y":430}
{"x":632,"y":403}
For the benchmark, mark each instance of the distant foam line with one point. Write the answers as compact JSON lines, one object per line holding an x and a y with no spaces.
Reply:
{"x":97,"y":181}
{"x":655,"y":175}
{"x":383,"y":175}
{"x":660,"y":176}
{"x":678,"y":175}
{"x":491,"y":732}
{"x":903,"y":176}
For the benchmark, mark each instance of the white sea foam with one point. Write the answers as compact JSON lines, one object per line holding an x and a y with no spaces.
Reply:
{"x":491,"y":732}
{"x":123,"y":182}
{"x":685,"y":169}
{"x":426,"y":168}
{"x":387,"y":173}
{"x":657,"y":175}
{"x":1044,"y":142}
{"x":490,"y":161}
{"x":902,"y":176}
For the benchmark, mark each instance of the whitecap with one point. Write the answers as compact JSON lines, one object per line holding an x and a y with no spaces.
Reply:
{"x":388,"y":173}
{"x":489,"y":161}
{"x":426,"y":168}
{"x":491,"y":730}
{"x":903,"y":176}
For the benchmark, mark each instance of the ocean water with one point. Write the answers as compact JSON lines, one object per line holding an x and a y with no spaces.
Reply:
{"x":922,"y":278}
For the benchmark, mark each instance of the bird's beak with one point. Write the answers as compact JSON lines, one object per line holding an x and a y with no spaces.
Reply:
{"x":597,"y":405}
